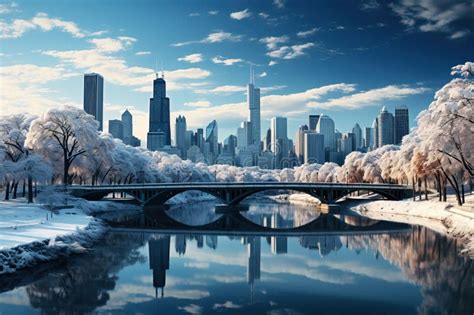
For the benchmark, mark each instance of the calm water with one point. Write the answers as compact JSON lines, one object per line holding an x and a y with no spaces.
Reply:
{"x":331,"y":265}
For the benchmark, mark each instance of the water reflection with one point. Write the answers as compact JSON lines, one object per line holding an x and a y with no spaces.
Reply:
{"x":414,"y":271}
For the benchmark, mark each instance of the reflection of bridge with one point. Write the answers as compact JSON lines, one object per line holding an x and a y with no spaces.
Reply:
{"x":234,"y":193}
{"x":236,"y":224}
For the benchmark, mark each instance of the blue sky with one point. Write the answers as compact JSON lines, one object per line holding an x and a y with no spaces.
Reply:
{"x":343,"y":58}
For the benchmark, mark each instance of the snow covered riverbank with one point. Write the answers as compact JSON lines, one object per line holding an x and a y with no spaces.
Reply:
{"x":31,"y":233}
{"x":437,"y":216}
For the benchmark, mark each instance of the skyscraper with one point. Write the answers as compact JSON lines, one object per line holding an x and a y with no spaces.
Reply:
{"x":253,"y":102}
{"x":357,"y":131}
{"x":212,"y":140}
{"x":314,"y":148}
{"x":180,"y":134}
{"x":401,"y":124}
{"x":375,"y":128}
{"x":386,"y":128}
{"x":299,"y":142}
{"x":127,"y":122}
{"x":94,"y":96}
{"x":160,"y":111}
{"x":244,"y":135}
{"x":347,"y":143}
{"x":369,"y":136}
{"x":230,"y":143}
{"x":116,"y":128}
{"x":313,"y":122}
{"x":279,"y":139}
{"x":326,"y":128}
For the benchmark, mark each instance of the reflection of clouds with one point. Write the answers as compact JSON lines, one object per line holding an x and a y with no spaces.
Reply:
{"x":222,"y":278}
{"x":191,"y":309}
{"x":227,"y":304}
{"x":197,"y":265}
{"x":283,"y":311}
{"x":15,"y":297}
{"x":132,"y":294}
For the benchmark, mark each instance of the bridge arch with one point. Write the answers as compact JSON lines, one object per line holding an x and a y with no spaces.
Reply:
{"x":163,"y":196}
{"x":242,"y":196}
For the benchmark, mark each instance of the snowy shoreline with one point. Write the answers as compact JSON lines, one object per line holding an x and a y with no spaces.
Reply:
{"x":31,"y":233}
{"x":440,"y":217}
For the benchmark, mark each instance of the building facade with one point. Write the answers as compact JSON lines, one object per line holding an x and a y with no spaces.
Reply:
{"x":94,"y":96}
{"x":160,"y":111}
{"x":401,"y":124}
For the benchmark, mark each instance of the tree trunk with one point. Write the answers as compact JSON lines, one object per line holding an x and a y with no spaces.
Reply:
{"x":66,"y":169}
{"x":462,"y":192}
{"x":7,"y":191}
{"x":24,"y":189}
{"x":426,"y":190}
{"x":15,"y":189}
{"x":455,"y":186}
{"x":419,"y":188}
{"x":30,"y":189}
{"x":414,"y":191}
{"x":445,"y":192}
{"x":36,"y":189}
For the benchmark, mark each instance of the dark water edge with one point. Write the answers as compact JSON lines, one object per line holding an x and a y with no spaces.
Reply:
{"x":337,"y":267}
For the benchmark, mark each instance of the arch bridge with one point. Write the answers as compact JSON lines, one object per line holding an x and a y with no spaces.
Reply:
{"x":233,"y":193}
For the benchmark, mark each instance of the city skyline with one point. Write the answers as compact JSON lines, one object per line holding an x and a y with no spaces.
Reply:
{"x":206,"y":64}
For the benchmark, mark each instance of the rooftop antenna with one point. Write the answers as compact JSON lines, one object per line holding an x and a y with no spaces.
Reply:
{"x":156,"y":69}
{"x":162,"y":71}
{"x":252,"y":78}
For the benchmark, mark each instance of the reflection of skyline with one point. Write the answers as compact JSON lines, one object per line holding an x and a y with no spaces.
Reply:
{"x":427,"y":260}
{"x":159,"y":256}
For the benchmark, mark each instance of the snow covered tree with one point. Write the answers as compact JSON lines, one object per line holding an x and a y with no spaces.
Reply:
{"x":69,"y":130}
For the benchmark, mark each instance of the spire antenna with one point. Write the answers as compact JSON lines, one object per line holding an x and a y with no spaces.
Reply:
{"x":156,"y":69}
{"x":162,"y":71}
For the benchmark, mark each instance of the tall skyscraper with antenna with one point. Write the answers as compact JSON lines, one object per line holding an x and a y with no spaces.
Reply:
{"x":159,"y":114}
{"x":253,"y":102}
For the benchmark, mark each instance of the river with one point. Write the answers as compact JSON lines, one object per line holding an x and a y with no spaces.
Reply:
{"x":272,"y":259}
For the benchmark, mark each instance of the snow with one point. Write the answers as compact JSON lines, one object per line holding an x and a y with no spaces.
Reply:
{"x":437,"y":216}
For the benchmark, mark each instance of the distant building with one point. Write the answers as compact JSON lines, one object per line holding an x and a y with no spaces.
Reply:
{"x":326,"y":128}
{"x":212,"y":140}
{"x":127,"y":122}
{"x":385,"y":128}
{"x":160,"y":111}
{"x":401,"y":124}
{"x":279,"y":140}
{"x":94,"y":96}
{"x":116,"y":128}
{"x":313,"y":122}
{"x":357,"y":132}
{"x":299,"y":142}
{"x":314,"y":148}
{"x":156,"y":140}
{"x":375,"y":128}
{"x":253,"y":102}
{"x":244,"y":135}
{"x":194,"y":154}
{"x":369,"y":136}
{"x":268,"y":142}
{"x":347,"y":144}
{"x":159,"y":254}
{"x":199,"y":138}
{"x":230,"y":144}
{"x":180,"y":135}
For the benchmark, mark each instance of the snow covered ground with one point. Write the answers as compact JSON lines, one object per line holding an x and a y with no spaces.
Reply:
{"x":32,"y":233}
{"x":441,"y":217}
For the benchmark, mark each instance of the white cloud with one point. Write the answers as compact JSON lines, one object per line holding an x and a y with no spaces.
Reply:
{"x":216,"y":37}
{"x":263,"y":74}
{"x":307,"y":33}
{"x":193,"y":58}
{"x":263,"y":15}
{"x":194,"y":14}
{"x":8,"y":7}
{"x":435,"y":16}
{"x":290,"y":52}
{"x":280,"y":4}
{"x":272,"y":63}
{"x":43,"y":22}
{"x":201,"y":103}
{"x":24,"y":88}
{"x":370,"y":97}
{"x":272,"y":42}
{"x":142,"y":53}
{"x":109,"y":45}
{"x":240,"y":15}
{"x":227,"y":62}
{"x":340,"y":27}
{"x":213,"y":12}
{"x":225,"y":89}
